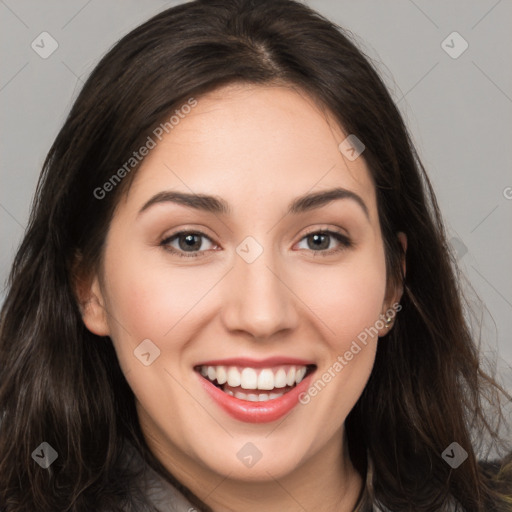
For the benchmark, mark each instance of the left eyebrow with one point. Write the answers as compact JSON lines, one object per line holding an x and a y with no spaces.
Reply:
{"x":318,"y":199}
{"x":218,"y":205}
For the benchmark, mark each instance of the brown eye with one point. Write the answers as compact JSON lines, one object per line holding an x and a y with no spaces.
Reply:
{"x":188,"y":242}
{"x":318,"y":241}
{"x":325,"y":242}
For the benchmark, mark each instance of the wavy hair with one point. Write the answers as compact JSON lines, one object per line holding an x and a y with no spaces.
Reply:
{"x":61,"y":384}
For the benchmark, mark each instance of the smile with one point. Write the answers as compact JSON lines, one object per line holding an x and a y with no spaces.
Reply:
{"x":235,"y":380}
{"x":255,"y":391}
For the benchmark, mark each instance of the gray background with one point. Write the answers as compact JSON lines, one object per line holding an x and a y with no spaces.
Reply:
{"x":459,"y":111}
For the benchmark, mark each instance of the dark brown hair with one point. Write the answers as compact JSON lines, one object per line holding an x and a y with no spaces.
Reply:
{"x":61,"y":384}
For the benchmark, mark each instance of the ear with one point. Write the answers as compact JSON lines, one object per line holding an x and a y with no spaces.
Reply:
{"x":393,"y":296}
{"x":92,"y":304}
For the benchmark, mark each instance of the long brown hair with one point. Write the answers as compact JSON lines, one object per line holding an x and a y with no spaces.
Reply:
{"x":62,"y":385}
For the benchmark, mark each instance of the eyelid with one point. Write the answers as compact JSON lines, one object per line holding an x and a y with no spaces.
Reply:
{"x":327,"y":230}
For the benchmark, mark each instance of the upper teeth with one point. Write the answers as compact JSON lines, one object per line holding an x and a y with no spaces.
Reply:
{"x":252,"y":378}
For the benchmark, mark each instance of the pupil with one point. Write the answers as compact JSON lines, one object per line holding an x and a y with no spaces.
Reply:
{"x":321,"y":241}
{"x":191,"y":242}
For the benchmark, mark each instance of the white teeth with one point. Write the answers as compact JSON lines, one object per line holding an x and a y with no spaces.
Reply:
{"x":212,"y":373}
{"x":300,"y":374}
{"x":290,"y":378}
{"x":280,"y":379}
{"x":249,"y":379}
{"x":265,"y":379}
{"x":222,"y":375}
{"x":253,"y":397}
{"x":233,"y":377}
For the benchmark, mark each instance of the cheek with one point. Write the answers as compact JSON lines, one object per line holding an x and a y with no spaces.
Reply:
{"x":348,"y":303}
{"x":148,"y":297}
{"x":146,"y":300}
{"x":349,"y":299}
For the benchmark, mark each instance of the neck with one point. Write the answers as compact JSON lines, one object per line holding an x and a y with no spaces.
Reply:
{"x":326,"y":482}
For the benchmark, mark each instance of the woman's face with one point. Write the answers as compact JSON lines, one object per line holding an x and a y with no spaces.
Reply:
{"x":265,"y":279}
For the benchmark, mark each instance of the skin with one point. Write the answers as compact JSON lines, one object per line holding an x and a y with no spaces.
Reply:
{"x":258,"y":148}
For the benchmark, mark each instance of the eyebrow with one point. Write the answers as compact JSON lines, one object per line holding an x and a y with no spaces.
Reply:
{"x":217,"y":205}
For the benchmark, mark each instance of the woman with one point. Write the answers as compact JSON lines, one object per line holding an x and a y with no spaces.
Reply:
{"x":235,"y":291}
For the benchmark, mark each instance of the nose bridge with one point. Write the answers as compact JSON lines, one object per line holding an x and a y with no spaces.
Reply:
{"x":258,"y":301}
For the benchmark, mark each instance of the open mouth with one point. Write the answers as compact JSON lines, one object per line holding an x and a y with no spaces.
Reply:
{"x":255,"y":384}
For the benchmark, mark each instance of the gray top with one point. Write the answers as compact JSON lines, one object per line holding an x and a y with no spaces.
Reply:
{"x":165,"y":497}
{"x":162,"y":495}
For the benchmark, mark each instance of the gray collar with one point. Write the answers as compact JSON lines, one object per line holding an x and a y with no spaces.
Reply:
{"x":161,"y":494}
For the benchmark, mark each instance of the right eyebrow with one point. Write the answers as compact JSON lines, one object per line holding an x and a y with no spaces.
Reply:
{"x":203,"y":202}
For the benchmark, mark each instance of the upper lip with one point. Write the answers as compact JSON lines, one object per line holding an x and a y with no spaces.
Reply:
{"x":247,"y":362}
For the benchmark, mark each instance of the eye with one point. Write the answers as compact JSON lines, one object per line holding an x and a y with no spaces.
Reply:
{"x":194,"y":243}
{"x":323,"y":241}
{"x":188,"y":243}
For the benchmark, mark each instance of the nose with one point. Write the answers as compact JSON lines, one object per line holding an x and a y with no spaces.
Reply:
{"x":259,"y":298}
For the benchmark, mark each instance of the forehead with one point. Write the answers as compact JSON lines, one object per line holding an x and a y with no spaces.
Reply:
{"x":248,"y":143}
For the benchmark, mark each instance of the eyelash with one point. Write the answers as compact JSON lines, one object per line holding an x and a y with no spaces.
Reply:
{"x":345,"y":243}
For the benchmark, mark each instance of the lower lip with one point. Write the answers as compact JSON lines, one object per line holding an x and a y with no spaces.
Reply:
{"x":256,"y":412}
